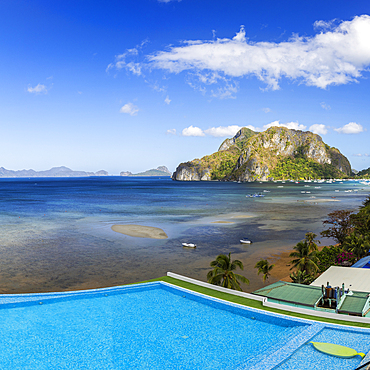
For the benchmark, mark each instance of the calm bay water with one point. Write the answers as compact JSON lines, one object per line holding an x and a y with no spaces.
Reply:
{"x":56,"y":233}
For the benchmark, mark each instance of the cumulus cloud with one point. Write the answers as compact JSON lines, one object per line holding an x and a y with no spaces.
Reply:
{"x":290,"y":125}
{"x":319,"y":129}
{"x":230,"y":131}
{"x":336,"y":55}
{"x":324,"y":25}
{"x":167,"y":100}
{"x":223,"y":131}
{"x":130,"y":109}
{"x":171,"y":131}
{"x":350,"y":128}
{"x":192,"y":131}
{"x":38,"y":89}
{"x":325,"y":106}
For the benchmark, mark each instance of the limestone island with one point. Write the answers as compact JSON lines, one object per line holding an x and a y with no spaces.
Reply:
{"x":278,"y":153}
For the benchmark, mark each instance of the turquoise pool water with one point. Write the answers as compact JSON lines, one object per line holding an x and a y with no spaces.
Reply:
{"x":156,"y":326}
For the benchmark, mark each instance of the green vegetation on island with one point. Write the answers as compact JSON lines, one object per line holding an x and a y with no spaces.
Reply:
{"x":364,"y":174}
{"x":275,"y":154}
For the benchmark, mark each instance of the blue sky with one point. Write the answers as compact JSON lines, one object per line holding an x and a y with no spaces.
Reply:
{"x":131,"y":85}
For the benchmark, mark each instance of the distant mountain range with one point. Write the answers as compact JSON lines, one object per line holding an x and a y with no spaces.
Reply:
{"x":160,"y":171}
{"x":67,"y":172}
{"x":53,"y":172}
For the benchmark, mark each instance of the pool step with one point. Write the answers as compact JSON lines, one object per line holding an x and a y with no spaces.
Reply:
{"x":271,"y":360}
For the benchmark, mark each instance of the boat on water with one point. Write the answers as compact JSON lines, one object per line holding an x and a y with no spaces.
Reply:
{"x":245,"y":241}
{"x":256,"y":195}
{"x":189,"y":245}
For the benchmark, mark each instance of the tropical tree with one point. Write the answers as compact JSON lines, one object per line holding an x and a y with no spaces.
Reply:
{"x":301,"y":277}
{"x":341,"y":225}
{"x":223,"y":273}
{"x":361,"y":220}
{"x":328,"y":256}
{"x":357,"y":244}
{"x":310,"y":237}
{"x":304,"y":258}
{"x":264,"y":267}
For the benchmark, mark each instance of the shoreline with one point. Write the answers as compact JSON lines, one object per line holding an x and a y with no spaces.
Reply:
{"x":282,"y":268}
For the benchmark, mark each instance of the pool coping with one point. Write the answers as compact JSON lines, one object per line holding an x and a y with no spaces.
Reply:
{"x":262,"y":361}
{"x":255,"y":301}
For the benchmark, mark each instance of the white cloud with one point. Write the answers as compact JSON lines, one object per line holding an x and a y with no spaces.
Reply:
{"x":132,"y":66}
{"x":319,"y":129}
{"x":230,"y":131}
{"x":325,"y":106}
{"x":130,"y":109}
{"x":266,"y":110}
{"x":223,"y":131}
{"x":167,"y":1}
{"x":38,"y":89}
{"x":334,"y":57}
{"x":227,"y":91}
{"x":350,"y":128}
{"x":167,"y":100}
{"x":192,"y":131}
{"x":361,"y":155}
{"x":171,"y":131}
{"x":290,"y":125}
{"x":325,"y":25}
{"x":253,"y":128}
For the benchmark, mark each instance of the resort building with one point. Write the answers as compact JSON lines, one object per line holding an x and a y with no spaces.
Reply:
{"x":342,"y":290}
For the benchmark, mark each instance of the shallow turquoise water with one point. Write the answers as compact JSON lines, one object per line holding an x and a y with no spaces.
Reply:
{"x":56,"y":233}
{"x":156,"y":326}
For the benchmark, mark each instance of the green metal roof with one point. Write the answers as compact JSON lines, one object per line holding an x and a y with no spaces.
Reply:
{"x":353,"y":304}
{"x":306,"y":295}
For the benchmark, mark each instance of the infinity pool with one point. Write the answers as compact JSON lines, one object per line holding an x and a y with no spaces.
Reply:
{"x":158,"y":326}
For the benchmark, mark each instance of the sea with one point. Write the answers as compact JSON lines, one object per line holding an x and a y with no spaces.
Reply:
{"x":56,"y":232}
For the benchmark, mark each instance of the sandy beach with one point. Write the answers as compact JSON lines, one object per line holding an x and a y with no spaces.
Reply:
{"x":282,"y":268}
{"x":139,"y":231}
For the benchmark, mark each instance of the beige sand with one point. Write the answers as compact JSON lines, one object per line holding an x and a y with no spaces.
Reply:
{"x":222,"y":222}
{"x":314,"y":200}
{"x":242,"y":216}
{"x":139,"y":231}
{"x":282,"y":268}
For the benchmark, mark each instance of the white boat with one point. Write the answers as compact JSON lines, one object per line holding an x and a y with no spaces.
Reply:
{"x":245,"y":241}
{"x":189,"y":245}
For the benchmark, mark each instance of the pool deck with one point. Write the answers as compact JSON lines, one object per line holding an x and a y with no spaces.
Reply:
{"x":214,"y":291}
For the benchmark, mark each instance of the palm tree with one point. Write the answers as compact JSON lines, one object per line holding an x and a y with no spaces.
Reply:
{"x":264,"y":267}
{"x":357,"y":244}
{"x":300,"y":277}
{"x":310,"y":237}
{"x":305,"y":259}
{"x":223,"y":273}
